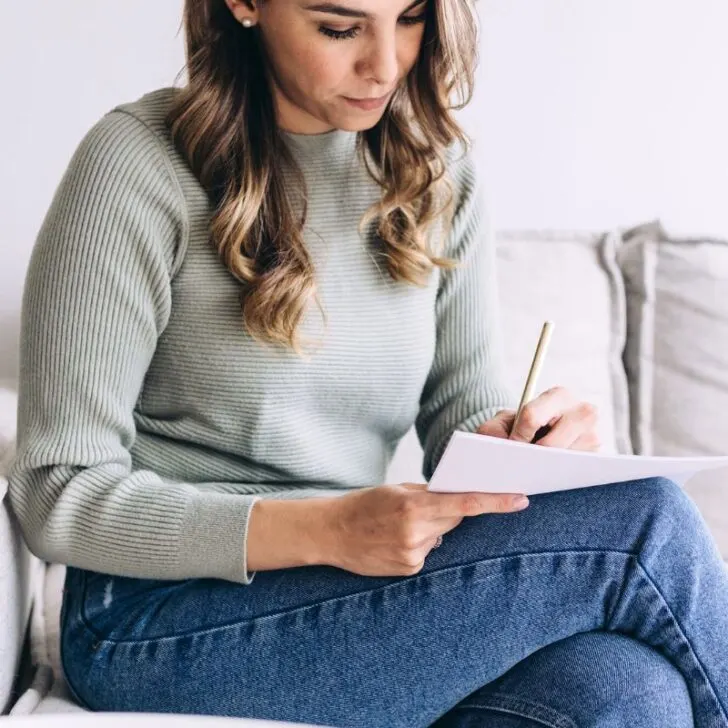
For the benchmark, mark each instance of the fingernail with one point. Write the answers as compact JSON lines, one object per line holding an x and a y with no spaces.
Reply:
{"x":521,"y":502}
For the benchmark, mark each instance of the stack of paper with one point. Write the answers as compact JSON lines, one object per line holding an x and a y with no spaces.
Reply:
{"x":494,"y":465}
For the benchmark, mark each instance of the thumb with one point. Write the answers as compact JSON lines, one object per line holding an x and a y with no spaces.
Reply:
{"x":499,"y":426}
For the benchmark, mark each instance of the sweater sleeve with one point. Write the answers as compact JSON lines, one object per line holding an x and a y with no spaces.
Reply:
{"x":97,"y":296}
{"x":466,"y":385}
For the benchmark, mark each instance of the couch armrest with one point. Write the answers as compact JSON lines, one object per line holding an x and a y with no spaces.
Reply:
{"x":18,"y":571}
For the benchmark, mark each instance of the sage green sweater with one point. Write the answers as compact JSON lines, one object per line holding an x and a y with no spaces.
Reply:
{"x":150,"y":421}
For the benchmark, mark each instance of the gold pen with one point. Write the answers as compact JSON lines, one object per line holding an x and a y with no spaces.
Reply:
{"x":533,"y":375}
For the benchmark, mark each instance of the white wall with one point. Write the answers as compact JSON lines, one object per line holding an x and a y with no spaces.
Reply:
{"x":606,"y":112}
{"x":589,"y":113}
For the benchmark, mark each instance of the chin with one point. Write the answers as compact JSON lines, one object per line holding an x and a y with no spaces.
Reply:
{"x":359,"y":122}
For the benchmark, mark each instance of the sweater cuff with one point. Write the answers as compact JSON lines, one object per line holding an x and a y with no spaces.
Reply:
{"x":214,"y":536}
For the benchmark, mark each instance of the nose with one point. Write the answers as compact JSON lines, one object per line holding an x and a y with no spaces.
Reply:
{"x":380,"y":63}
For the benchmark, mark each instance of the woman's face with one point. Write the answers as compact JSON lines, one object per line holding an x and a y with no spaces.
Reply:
{"x":335,"y":63}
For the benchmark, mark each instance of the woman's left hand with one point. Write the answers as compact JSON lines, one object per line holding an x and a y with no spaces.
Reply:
{"x":572,"y":423}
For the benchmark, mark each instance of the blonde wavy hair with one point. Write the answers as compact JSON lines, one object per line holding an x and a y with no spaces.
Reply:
{"x":254,"y":227}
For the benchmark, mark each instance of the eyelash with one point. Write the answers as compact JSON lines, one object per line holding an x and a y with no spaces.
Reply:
{"x":353,"y":32}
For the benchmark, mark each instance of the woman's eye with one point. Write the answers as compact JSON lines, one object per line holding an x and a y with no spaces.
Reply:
{"x":413,"y":19}
{"x":353,"y":32}
{"x":339,"y":34}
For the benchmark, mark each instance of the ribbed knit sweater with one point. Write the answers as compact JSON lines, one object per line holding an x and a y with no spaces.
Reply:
{"x":150,"y":421}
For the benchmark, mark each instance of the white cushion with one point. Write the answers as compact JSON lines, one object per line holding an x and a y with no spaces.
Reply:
{"x":677,"y":355}
{"x":58,"y":700}
{"x":19,"y":570}
{"x":572,"y":279}
{"x":45,"y":626}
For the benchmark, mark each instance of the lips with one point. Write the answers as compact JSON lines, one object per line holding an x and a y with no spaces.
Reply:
{"x":373,"y":98}
{"x":369,"y":104}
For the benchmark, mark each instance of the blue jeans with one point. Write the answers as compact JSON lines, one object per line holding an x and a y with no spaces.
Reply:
{"x":603,"y":606}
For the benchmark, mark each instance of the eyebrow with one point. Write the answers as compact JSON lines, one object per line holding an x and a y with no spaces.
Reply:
{"x":334,"y":9}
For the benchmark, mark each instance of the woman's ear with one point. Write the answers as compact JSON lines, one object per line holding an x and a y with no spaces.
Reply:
{"x":245,"y":11}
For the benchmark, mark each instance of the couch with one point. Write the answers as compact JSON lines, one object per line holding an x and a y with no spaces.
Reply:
{"x":641,"y":331}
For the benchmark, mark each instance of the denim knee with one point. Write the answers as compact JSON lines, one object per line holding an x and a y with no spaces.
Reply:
{"x":596,"y":679}
{"x":665,"y":494}
{"x":671,"y":506}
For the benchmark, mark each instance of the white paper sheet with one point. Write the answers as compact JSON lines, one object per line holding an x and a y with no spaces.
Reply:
{"x":494,"y":465}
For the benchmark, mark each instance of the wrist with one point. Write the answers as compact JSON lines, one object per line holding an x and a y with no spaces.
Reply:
{"x":320,"y":531}
{"x":290,"y":533}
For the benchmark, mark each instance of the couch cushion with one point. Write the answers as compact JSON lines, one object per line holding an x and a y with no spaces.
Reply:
{"x":45,"y":625}
{"x":18,"y":569}
{"x":20,"y":575}
{"x":15,"y":587}
{"x":47,"y":695}
{"x":677,"y":355}
{"x":573,"y":279}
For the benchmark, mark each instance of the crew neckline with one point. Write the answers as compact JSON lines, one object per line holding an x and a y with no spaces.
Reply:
{"x":332,"y":133}
{"x":333,"y":142}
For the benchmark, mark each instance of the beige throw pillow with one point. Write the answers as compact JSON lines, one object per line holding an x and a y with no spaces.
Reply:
{"x":677,"y":355}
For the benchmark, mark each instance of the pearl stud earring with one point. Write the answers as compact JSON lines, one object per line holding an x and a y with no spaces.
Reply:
{"x":247,"y":23}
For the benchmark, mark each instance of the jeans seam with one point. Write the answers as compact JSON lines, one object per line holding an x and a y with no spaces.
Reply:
{"x":683,"y":637}
{"x":256,"y":621}
{"x":523,"y":709}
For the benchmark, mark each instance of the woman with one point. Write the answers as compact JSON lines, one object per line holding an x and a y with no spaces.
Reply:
{"x":244,"y":294}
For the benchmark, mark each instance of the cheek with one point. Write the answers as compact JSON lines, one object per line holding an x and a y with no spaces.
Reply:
{"x":317,"y":71}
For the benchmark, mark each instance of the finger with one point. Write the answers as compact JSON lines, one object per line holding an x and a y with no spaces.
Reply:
{"x":571,"y":426}
{"x":588,"y":442}
{"x":433,"y":505}
{"x":543,"y":410}
{"x":500,"y":425}
{"x":564,"y":433}
{"x":454,"y":505}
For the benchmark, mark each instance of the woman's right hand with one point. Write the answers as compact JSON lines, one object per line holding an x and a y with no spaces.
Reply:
{"x":388,"y":530}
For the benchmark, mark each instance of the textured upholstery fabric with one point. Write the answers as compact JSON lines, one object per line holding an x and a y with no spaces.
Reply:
{"x":677,"y":355}
{"x":572,"y":279}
